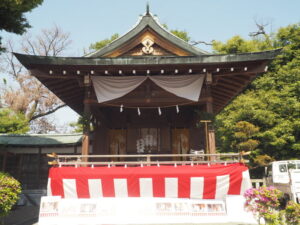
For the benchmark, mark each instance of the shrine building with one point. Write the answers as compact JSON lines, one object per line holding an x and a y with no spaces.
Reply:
{"x":148,"y":90}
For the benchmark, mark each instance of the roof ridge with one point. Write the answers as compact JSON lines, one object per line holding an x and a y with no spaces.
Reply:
{"x":148,"y":19}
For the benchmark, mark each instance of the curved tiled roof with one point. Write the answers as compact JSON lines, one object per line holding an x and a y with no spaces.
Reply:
{"x":147,"y":21}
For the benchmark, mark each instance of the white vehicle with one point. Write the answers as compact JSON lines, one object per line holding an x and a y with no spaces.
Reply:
{"x":285,"y":175}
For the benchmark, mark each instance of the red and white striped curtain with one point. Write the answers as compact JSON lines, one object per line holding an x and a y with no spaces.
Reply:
{"x":198,"y":181}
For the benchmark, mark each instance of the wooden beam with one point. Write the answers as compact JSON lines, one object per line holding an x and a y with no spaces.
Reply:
{"x":4,"y":162}
{"x":70,"y":98}
{"x":228,"y":87}
{"x":217,"y":93}
{"x":251,"y":69}
{"x":209,"y":133}
{"x":224,"y":90}
{"x":39,"y":167}
{"x":66,"y":90}
{"x":60,"y":84}
{"x":237,"y":80}
{"x":212,"y":140}
{"x":170,"y":101}
{"x":38,"y":73}
{"x":87,"y":117}
{"x":221,"y":100}
{"x":218,"y":103}
{"x":231,"y":81}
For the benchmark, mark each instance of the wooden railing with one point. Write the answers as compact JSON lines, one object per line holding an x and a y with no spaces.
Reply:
{"x":147,"y":159}
{"x":258,"y":182}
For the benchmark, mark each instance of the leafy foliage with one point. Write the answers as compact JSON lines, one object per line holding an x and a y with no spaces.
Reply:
{"x":263,"y":160}
{"x":9,"y":193}
{"x":80,"y":125}
{"x":264,"y":203}
{"x":12,"y":122}
{"x":239,"y":45}
{"x":102,"y":43}
{"x":12,"y":17}
{"x":244,"y":131}
{"x":292,"y":213}
{"x":181,"y":34}
{"x":272,"y":102}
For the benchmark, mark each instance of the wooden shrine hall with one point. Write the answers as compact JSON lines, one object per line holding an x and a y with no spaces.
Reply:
{"x":146,"y":91}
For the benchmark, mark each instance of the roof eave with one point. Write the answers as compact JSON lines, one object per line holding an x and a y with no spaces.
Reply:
{"x":29,"y":60}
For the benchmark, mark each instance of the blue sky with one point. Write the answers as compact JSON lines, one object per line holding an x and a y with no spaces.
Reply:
{"x":92,"y":20}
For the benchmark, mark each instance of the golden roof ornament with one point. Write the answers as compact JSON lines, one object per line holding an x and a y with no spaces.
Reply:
{"x":147,"y":49}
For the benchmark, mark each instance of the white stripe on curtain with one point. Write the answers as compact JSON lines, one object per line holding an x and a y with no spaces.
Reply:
{"x":222,"y":186}
{"x":95,"y":188}
{"x":49,"y":190}
{"x":246,"y":182}
{"x":171,"y":187}
{"x":70,"y":190}
{"x":197,"y":187}
{"x":120,"y":186}
{"x":146,"y":187}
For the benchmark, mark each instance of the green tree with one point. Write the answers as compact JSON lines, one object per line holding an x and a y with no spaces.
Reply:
{"x":100,"y":44}
{"x":78,"y":126}
{"x":239,"y":45}
{"x":12,"y":18}
{"x":244,"y":134}
{"x":272,"y":102}
{"x":10,"y":189}
{"x":181,"y":34}
{"x":12,"y":122}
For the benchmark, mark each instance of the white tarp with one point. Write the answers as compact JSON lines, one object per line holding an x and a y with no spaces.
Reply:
{"x":110,"y":88}
{"x":99,"y":211}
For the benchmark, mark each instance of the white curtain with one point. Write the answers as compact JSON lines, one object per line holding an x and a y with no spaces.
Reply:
{"x":110,"y":88}
{"x":187,"y":86}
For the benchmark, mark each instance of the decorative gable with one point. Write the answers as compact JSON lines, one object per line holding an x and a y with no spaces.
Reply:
{"x":148,"y":43}
{"x":147,"y":38}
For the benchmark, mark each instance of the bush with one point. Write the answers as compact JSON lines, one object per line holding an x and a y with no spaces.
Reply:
{"x":264,"y":203}
{"x":292,"y":213}
{"x":10,"y":189}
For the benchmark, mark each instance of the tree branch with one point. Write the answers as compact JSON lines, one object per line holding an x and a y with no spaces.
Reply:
{"x":261,"y":29}
{"x":47,"y":113}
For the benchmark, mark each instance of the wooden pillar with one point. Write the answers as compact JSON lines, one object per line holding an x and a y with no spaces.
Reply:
{"x":87,"y":118}
{"x":210,"y":132}
{"x":212,"y":140}
{"x":75,"y":149}
{"x":20,"y":167}
{"x":39,"y":167}
{"x":4,"y":162}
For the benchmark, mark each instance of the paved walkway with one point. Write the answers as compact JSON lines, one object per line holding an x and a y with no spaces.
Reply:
{"x":24,"y":215}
